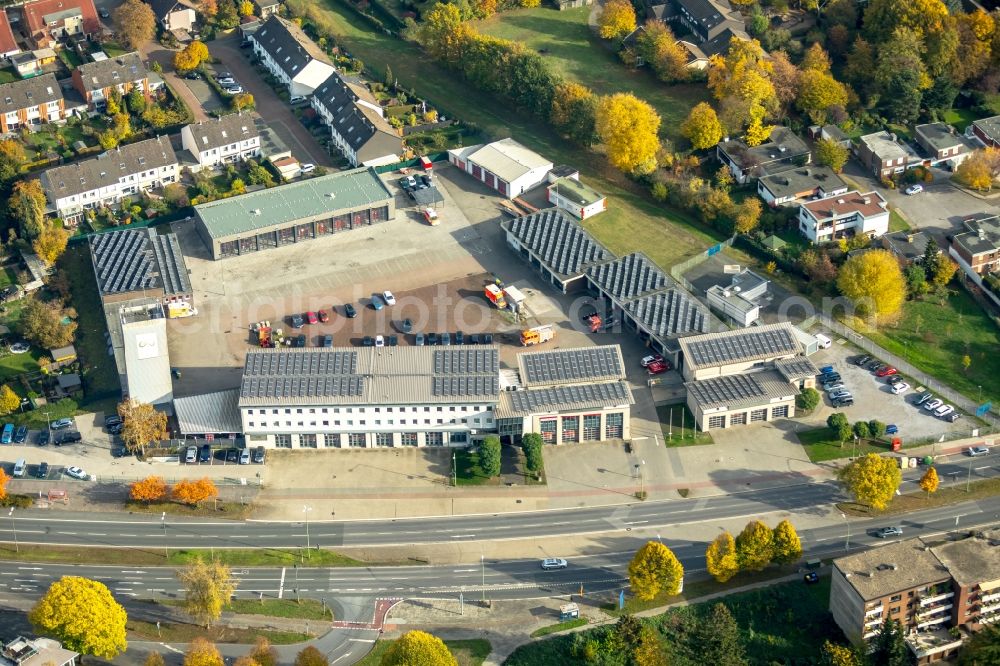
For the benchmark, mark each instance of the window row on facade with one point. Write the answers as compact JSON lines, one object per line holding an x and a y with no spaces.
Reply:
{"x":567,"y":429}
{"x":362,"y":440}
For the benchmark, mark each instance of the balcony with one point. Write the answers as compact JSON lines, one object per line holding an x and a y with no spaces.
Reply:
{"x":927,"y":601}
{"x":933,"y":610}
{"x":934,"y":642}
{"x":989,"y":608}
{"x":873,"y":622}
{"x":933,"y":622}
{"x":873,"y":611}
{"x":987,"y":598}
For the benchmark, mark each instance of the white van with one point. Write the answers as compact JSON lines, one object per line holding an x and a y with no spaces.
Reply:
{"x":20,"y":467}
{"x":824,"y":342}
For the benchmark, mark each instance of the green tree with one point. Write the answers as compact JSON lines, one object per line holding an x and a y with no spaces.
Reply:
{"x":876,"y":429}
{"x":787,"y":545}
{"x":720,"y":557}
{"x":489,"y":455}
{"x":929,"y":481}
{"x":888,"y":646}
{"x":754,"y":546}
{"x":718,"y":638}
{"x":818,"y":91}
{"x":42,"y":324}
{"x":982,"y":648}
{"x":27,"y":207}
{"x":8,"y":400}
{"x":832,"y":154}
{"x":574,"y":112}
{"x":900,"y":76}
{"x":655,"y":570}
{"x":418,"y":648}
{"x":872,"y":479}
{"x":208,"y":587}
{"x":628,"y":128}
{"x":136,"y":102}
{"x":83,"y":615}
{"x":310,"y":656}
{"x":808,"y":399}
{"x":941,"y":269}
{"x":531,"y":444}
{"x":874,"y":283}
{"x":135,"y":23}
{"x":629,"y":631}
{"x":702,"y":127}
{"x":861,"y":430}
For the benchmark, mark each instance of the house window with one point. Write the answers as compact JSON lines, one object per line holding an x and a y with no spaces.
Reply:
{"x":331,"y":440}
{"x":283,"y":441}
{"x":409,"y":439}
{"x":383,"y":439}
{"x":307,"y":441}
{"x":434,"y":439}
{"x":356,"y":440}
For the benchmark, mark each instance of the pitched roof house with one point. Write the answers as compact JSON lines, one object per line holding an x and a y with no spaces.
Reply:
{"x":783,"y":151}
{"x":844,"y":215}
{"x":50,"y":20}
{"x":95,"y":80}
{"x":174,"y":14}
{"x":288,"y":53}
{"x":223,"y":140}
{"x":356,"y":123}
{"x":8,"y":45}
{"x":31,"y":102}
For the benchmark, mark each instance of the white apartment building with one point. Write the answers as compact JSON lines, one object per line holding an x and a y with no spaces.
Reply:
{"x":843,"y":216}
{"x":104,"y":180}
{"x":356,"y":123}
{"x":291,"y":56}
{"x":350,"y":397}
{"x":224,"y":140}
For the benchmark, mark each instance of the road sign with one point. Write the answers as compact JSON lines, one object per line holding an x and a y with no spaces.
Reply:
{"x":983,"y":408}
{"x":621,"y":600}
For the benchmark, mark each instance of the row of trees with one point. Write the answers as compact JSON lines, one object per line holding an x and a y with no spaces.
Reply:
{"x":188,"y":491}
{"x":753,"y":549}
{"x":839,"y":423}
{"x":490,"y":453}
{"x":625,"y":124}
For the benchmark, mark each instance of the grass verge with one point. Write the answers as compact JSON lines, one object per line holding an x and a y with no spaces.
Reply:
{"x":896,"y":221}
{"x":920,"y":501}
{"x":561,"y":626}
{"x":230,"y":510}
{"x":170,"y":632}
{"x":305,"y":609}
{"x":471,"y":652}
{"x":468,"y":471}
{"x":822,"y":444}
{"x":263,"y":557}
{"x":677,"y":424}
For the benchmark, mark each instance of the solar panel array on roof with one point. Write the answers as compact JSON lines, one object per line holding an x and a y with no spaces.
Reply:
{"x":560,"y":242}
{"x":593,"y":395}
{"x":628,"y":277}
{"x":122,"y":260}
{"x":670,"y":313}
{"x":742,"y":345}
{"x":796,"y":367}
{"x":301,"y":387}
{"x":170,"y":260}
{"x":303,"y":363}
{"x":466,"y":361}
{"x":465,"y":385}
{"x":728,"y":388}
{"x":571,"y":365}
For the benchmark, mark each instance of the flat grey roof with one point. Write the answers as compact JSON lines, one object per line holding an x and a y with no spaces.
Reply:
{"x":571,"y":366}
{"x":941,"y":135}
{"x":629,"y":277}
{"x":670,"y":313}
{"x":370,"y":376}
{"x":216,"y":412}
{"x":907,"y":244}
{"x":137,"y":259}
{"x":731,"y":298}
{"x":558,"y":241}
{"x":783,"y":144}
{"x":884,"y":146}
{"x":802,"y":179}
{"x":740,"y":346}
{"x":901,"y":565}
{"x":515,"y":404}
{"x":795,"y":368}
{"x":749,"y":389}
{"x":983,"y":235}
{"x":973,"y":560}
{"x":285,"y":204}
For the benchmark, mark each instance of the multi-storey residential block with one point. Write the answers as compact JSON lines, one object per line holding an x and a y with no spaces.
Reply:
{"x":977,"y":249}
{"x":224,"y":140}
{"x":291,"y":56}
{"x":843,"y":216}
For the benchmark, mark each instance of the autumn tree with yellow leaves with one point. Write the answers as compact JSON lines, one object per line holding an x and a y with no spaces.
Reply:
{"x":203,"y":652}
{"x":929,"y":482}
{"x":150,"y":489}
{"x":875,"y":284}
{"x":702,"y":127}
{"x":787,"y":545}
{"x":755,"y":546}
{"x":617,"y":20}
{"x":655,"y":570}
{"x":51,"y":242}
{"x":720,"y":557}
{"x":191,"y":56}
{"x":872,"y":479}
{"x":208,"y":586}
{"x":418,"y":648}
{"x":83,"y":615}
{"x":142,"y":425}
{"x":9,"y":401}
{"x":628,"y":128}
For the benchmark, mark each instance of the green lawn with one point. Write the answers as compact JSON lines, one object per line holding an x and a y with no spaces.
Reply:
{"x":572,"y":49}
{"x":12,"y":365}
{"x":822,"y":444}
{"x":467,"y":653}
{"x":896,"y":221}
{"x":70,"y":58}
{"x":268,"y":557}
{"x":934,"y":334}
{"x":632,"y":223}
{"x":959,"y":118}
{"x":8,"y":75}
{"x":113,"y":49}
{"x":304,"y":609}
{"x":469,"y":473}
{"x":560,"y":626}
{"x":681,"y":432}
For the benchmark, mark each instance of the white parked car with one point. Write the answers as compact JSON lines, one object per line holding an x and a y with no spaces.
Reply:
{"x":379,"y":341}
{"x":554,"y":563}
{"x":914,"y":189}
{"x":234,"y":90}
{"x":943,"y":411}
{"x":388,"y":298}
{"x":307,"y":167}
{"x":20,"y":348}
{"x":931,"y":405}
{"x":77,"y":473}
{"x":901,"y":387}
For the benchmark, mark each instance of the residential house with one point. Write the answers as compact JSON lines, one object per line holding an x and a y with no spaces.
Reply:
{"x":843,"y":216}
{"x":290,"y":56}
{"x":572,"y":4}
{"x":357,"y":125}
{"x":783,"y":151}
{"x":504,"y":165}
{"x":882,"y":155}
{"x":50,"y":21}
{"x":224,"y":140}
{"x":30,"y":103}
{"x":797,"y":185}
{"x":126,"y":171}
{"x":712,"y":24}
{"x":32,"y":63}
{"x":908,"y":246}
{"x":830,"y":133}
{"x":96,"y":80}
{"x":174,"y":15}
{"x":265,"y":8}
{"x":986,"y":130}
{"x":939,"y":594}
{"x":8,"y":45}
{"x":977,"y":249}
{"x":36,"y":652}
{"x":943,"y":145}
{"x":696,"y":58}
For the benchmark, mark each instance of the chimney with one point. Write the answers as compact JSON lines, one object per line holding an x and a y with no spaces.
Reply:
{"x":840,"y":201}
{"x":982,"y":233}
{"x":867,"y":200}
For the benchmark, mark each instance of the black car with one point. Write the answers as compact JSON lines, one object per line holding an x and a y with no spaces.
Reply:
{"x":192,"y":76}
{"x":810,"y":577}
{"x":419,"y":340}
{"x":43,"y":438}
{"x":432,"y":339}
{"x":392,"y":341}
{"x":368,"y":341}
{"x":459,"y":338}
{"x":111,"y":419}
{"x":406,"y":326}
{"x":861,"y":360}
{"x":119,"y":452}
{"x":258,"y":455}
{"x":300,"y":340}
{"x":205,"y":453}
{"x":232,"y":455}
{"x":245,"y":45}
{"x":116,"y":429}
{"x":327,"y":340}
{"x":487,"y":338}
{"x":425,"y":180}
{"x":21,"y":434}
{"x":42,"y":470}
{"x":472,"y":339}
{"x":350,"y":311}
{"x":68,"y":438}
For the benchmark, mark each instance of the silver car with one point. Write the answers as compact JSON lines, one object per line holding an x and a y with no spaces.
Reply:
{"x":887,"y":532}
{"x":554,"y":563}
{"x":933,"y":404}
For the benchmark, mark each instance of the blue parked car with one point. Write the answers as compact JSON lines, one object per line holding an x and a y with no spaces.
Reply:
{"x":826,"y":369}
{"x":8,"y":434}
{"x":377,"y":303}
{"x":891,"y":429}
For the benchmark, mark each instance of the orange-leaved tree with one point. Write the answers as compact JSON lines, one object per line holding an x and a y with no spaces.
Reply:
{"x":3,"y":484}
{"x":194,"y":491}
{"x":150,"y":489}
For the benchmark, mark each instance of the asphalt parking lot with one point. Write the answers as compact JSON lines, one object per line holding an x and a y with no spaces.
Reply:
{"x":873,"y":398}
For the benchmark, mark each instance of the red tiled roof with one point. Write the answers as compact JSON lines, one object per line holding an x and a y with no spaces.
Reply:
{"x":7,"y":41}
{"x":35,"y":11}
{"x":868,"y":204}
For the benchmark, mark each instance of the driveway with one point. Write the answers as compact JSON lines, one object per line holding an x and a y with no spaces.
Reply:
{"x":164,"y":56}
{"x":278,"y":115}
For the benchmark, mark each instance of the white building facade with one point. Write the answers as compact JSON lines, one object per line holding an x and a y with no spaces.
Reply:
{"x":290,"y":56}
{"x":850,"y":214}
{"x":504,"y":165}
{"x":225,"y":140}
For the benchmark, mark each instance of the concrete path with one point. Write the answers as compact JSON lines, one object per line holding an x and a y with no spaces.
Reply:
{"x":154,"y":51}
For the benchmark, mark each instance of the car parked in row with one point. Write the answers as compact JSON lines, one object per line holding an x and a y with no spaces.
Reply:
{"x":976,"y":451}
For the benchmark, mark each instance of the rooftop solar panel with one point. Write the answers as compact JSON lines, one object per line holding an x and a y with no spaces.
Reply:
{"x":740,"y":345}
{"x":571,"y":365}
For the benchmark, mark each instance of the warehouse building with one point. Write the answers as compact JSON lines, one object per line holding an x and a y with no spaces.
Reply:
{"x":368,"y":397}
{"x":740,"y":350}
{"x":294,"y":213}
{"x":567,"y":395}
{"x":504,"y":165}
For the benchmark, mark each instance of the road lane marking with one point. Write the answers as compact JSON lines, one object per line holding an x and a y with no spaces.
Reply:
{"x":343,"y":656}
{"x":462,"y":536}
{"x":457,"y":571}
{"x":30,"y":568}
{"x":281,"y":584}
{"x":361,"y":640}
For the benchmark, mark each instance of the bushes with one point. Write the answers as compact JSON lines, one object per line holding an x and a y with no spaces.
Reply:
{"x":808,"y":399}
{"x":531,"y":444}
{"x":489,"y":455}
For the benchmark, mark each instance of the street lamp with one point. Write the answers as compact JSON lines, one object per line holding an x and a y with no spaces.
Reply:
{"x":638,"y":472}
{"x":979,"y":399}
{"x":482,"y":563}
{"x":847,"y":543}
{"x":305,"y":512}
{"x":163,"y":524}
{"x":17,"y":549}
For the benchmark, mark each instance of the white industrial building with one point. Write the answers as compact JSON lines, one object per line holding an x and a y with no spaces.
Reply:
{"x":741,"y":299}
{"x":138,"y":331}
{"x":504,"y":165}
